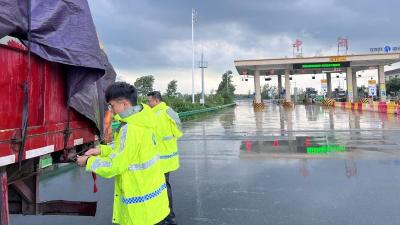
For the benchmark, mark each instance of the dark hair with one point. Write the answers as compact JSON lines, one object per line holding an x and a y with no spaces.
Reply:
{"x":121,"y":90}
{"x":155,"y":94}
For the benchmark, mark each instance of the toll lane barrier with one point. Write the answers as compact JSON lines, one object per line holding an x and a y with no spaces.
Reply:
{"x":258,"y":106}
{"x":364,"y":100}
{"x":381,"y":107}
{"x":287,"y":104}
{"x":328,"y":102}
{"x":376,"y":106}
{"x":391,"y":108}
{"x":360,"y":106}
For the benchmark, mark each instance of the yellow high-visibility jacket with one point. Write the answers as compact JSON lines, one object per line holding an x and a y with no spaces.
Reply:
{"x":168,"y":132}
{"x":140,"y":196}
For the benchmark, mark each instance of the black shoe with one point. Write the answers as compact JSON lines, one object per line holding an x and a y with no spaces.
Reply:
{"x":171,"y":221}
{"x":168,"y":222}
{"x":164,"y":222}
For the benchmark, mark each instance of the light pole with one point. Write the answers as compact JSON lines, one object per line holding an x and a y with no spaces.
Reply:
{"x":228,"y":72}
{"x":295,"y":92}
{"x":194,"y":18}
{"x":202,"y":64}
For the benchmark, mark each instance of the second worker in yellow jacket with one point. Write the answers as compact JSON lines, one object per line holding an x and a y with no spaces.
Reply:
{"x":168,"y":131}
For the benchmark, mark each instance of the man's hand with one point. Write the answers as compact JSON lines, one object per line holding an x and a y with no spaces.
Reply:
{"x":82,"y":160}
{"x":92,"y":152}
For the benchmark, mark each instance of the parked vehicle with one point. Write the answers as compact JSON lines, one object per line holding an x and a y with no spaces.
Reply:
{"x":53,"y":129}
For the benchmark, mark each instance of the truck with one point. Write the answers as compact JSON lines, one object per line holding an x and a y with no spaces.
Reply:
{"x":339,"y":95}
{"x":310,"y":95}
{"x":53,"y":74}
{"x":53,"y":129}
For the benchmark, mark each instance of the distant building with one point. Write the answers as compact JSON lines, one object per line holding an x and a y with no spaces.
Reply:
{"x":392,"y":74}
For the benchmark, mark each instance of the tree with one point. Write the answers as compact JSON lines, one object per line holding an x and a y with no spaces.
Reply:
{"x":393,"y":86}
{"x":362,"y":91}
{"x":171,"y":89}
{"x":267,"y":92}
{"x":144,"y":84}
{"x":225,"y":88}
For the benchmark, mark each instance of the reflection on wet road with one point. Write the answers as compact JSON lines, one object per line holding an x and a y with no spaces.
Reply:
{"x":308,"y":165}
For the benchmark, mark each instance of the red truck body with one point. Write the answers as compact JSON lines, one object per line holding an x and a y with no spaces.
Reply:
{"x":53,"y":129}
{"x":48,"y":112}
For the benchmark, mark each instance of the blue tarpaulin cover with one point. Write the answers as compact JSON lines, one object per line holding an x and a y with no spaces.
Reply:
{"x":63,"y":31}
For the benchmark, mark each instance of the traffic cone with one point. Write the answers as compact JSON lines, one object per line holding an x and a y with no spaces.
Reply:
{"x":308,"y":142}
{"x":248,"y":145}
{"x":276,"y":143}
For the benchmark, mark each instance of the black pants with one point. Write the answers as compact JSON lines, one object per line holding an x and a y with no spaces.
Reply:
{"x":169,"y":190}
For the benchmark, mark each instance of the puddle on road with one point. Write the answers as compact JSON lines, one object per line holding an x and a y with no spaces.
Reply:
{"x":317,"y":147}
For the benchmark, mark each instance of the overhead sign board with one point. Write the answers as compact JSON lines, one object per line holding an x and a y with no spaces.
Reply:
{"x":340,"y":58}
{"x":386,"y":49}
{"x":321,"y":65}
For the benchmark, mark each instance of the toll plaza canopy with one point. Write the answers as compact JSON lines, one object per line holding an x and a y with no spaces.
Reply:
{"x":348,"y":64}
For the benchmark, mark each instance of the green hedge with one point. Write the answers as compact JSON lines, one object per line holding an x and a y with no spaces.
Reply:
{"x":191,"y":112}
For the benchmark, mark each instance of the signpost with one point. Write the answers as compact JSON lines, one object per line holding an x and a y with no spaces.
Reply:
{"x":324,"y":86}
{"x":372,"y":89}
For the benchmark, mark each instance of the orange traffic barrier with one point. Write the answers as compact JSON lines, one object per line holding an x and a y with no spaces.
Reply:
{"x":376,"y":107}
{"x":382,"y":107}
{"x":391,"y":108}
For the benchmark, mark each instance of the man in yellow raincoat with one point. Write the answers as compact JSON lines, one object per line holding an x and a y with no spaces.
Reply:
{"x":140,"y":196}
{"x":168,"y":132}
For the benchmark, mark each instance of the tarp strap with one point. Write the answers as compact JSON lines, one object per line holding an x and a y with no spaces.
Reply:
{"x":67,"y":133}
{"x":25,"y":114}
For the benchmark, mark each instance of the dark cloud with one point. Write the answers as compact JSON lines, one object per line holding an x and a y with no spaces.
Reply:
{"x":149,"y":34}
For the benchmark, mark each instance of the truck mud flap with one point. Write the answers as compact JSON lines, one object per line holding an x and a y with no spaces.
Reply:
{"x":73,"y":208}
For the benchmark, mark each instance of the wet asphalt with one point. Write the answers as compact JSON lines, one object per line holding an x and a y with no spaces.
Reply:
{"x":306,"y":166}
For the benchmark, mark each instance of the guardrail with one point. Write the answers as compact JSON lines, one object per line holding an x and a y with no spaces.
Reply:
{"x":190,"y":113}
{"x":199,"y":111}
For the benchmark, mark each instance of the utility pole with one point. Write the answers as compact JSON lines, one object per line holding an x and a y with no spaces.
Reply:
{"x":228,"y":72}
{"x":226,"y":81}
{"x":202,"y":64}
{"x":194,"y":17}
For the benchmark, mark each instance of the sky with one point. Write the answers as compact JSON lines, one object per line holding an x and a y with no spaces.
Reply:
{"x":154,"y":37}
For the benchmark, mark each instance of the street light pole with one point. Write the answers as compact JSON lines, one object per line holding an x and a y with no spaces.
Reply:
{"x":193,"y":20}
{"x":295,"y":92}
{"x":226,"y":81}
{"x":202,"y":64}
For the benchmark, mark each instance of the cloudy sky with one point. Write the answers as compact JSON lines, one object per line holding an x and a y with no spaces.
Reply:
{"x":145,"y":37}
